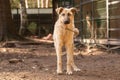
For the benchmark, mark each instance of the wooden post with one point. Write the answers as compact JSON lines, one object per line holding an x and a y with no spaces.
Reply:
{"x":23,"y":18}
{"x":26,"y":3}
{"x":38,"y":3}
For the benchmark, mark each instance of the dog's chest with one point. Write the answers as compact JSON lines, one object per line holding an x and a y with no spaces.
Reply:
{"x":66,"y":34}
{"x":62,"y":33}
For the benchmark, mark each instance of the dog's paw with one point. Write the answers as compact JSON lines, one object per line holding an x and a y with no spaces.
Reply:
{"x":59,"y":72}
{"x":77,"y":69}
{"x":69,"y":72}
{"x":76,"y":32}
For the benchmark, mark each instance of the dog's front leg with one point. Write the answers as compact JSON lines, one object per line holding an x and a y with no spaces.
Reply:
{"x":69,"y":58}
{"x":59,"y":58}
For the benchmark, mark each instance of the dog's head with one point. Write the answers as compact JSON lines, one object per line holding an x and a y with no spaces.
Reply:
{"x":66,"y":15}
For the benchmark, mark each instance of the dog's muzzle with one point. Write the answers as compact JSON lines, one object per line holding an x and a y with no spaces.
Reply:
{"x":67,"y":21}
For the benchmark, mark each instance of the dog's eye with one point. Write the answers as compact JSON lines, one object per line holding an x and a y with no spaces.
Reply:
{"x":63,"y":14}
{"x":69,"y":14}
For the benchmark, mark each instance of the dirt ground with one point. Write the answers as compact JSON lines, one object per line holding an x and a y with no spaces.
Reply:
{"x":38,"y":62}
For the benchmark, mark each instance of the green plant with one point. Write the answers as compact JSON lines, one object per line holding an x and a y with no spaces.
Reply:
{"x":32,"y":27}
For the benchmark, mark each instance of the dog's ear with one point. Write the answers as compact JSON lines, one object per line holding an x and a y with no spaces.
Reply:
{"x":59,"y":10}
{"x":73,"y":10}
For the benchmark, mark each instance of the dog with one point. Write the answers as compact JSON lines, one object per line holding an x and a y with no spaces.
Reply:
{"x":63,"y":35}
{"x":91,"y":28}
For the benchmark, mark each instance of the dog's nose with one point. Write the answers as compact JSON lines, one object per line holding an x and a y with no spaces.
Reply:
{"x":66,"y":22}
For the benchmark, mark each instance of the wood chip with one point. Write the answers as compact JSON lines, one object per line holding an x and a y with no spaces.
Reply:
{"x":14,"y":60}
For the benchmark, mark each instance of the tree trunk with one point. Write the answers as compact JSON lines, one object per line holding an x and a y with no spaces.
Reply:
{"x":23,"y":17}
{"x":6,"y":23}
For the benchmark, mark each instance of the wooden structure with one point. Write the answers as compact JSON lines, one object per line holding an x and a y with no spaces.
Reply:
{"x":104,"y":17}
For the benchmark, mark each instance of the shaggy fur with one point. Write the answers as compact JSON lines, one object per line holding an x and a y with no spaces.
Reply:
{"x":64,"y":31}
